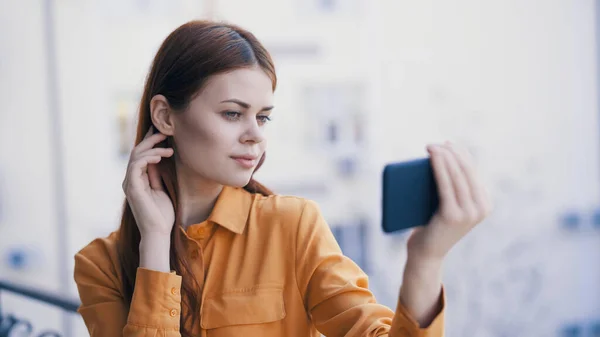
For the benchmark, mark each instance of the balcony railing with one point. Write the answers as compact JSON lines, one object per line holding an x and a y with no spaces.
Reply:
{"x":9,"y":323}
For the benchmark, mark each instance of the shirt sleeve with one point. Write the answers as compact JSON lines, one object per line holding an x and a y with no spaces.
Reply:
{"x":335,"y":289}
{"x":155,"y":306}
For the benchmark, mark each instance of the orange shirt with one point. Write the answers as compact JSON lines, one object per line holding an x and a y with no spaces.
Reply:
{"x":267,"y":266}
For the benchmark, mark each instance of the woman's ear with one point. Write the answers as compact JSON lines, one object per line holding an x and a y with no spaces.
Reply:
{"x":162,"y":115}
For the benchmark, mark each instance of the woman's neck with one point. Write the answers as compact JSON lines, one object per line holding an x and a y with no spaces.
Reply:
{"x":197,"y":197}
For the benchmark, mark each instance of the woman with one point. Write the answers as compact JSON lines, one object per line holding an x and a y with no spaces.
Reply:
{"x":205,"y":250}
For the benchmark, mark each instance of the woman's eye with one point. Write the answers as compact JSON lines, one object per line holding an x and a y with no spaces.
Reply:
{"x":232,"y":115}
{"x":262,"y":119}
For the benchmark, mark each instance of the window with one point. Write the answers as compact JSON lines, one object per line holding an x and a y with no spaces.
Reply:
{"x":353,"y":239}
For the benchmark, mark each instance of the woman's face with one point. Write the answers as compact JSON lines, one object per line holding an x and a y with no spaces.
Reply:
{"x":220,"y":137}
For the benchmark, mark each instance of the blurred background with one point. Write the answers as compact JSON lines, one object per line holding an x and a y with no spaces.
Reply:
{"x":361,"y":84}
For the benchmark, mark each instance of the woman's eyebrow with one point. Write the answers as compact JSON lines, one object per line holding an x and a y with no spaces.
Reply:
{"x":244,"y":104}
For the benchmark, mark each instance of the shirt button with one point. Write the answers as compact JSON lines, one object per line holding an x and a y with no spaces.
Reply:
{"x":174,"y":291}
{"x":173,"y":312}
{"x":201,"y":231}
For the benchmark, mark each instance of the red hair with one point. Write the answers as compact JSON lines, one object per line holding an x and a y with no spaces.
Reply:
{"x":186,"y":59}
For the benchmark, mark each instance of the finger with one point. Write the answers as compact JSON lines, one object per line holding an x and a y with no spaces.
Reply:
{"x":148,"y":143}
{"x":136,"y":172}
{"x":443,"y":182}
{"x":157,"y":151}
{"x":140,"y":166}
{"x":149,"y":132}
{"x":466,"y":164}
{"x":459,"y":182}
{"x":154,"y":178}
{"x":133,"y":152}
{"x":152,"y":160}
{"x":153,"y":173}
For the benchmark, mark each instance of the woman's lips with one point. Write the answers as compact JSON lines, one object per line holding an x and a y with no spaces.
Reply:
{"x":246,"y":162}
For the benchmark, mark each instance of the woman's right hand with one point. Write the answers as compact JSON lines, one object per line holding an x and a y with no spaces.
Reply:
{"x":149,"y":202}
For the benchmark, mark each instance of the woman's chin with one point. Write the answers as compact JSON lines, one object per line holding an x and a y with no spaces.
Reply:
{"x":239,"y":181}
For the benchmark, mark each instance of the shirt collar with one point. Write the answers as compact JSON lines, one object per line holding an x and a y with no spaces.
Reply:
{"x":232,"y":209}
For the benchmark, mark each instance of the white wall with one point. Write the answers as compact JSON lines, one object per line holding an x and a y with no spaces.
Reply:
{"x":27,"y":219}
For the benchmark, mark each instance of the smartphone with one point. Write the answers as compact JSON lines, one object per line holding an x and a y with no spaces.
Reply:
{"x":410,"y":196}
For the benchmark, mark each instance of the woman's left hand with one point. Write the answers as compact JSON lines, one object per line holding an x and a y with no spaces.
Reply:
{"x":464,"y":202}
